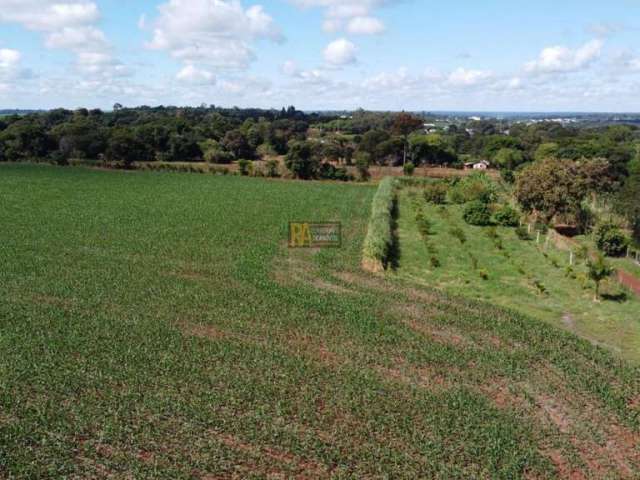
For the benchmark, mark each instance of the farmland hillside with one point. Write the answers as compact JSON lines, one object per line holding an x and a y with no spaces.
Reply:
{"x":156,"y":325}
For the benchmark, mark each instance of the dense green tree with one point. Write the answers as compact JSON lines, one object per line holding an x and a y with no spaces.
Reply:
{"x":550,"y":187}
{"x":627,"y":202}
{"x":403,"y":125}
{"x":124,"y":147}
{"x":301,"y":161}
{"x":508,"y":158}
{"x":25,"y":139}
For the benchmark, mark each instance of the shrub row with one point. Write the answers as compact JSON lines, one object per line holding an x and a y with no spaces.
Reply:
{"x":378,"y":242}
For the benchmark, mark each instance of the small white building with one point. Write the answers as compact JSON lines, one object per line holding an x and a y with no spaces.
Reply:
{"x":482,"y":165}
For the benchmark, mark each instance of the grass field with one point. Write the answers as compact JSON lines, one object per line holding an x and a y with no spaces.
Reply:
{"x":157,"y":326}
{"x":524,"y":275}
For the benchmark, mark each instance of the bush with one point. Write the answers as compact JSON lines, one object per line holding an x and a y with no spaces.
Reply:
{"x":436,"y":193}
{"x":272,"y":169}
{"x":435,"y":263}
{"x":327,"y":171}
{"x":363,"y":160}
{"x":379,"y":239}
{"x":611,"y":240}
{"x":245,"y":167}
{"x":475,"y":187}
{"x":484,"y":275}
{"x":424,"y":225}
{"x":523,"y":233}
{"x":477,"y":213}
{"x":507,"y":216}
{"x":409,"y":168}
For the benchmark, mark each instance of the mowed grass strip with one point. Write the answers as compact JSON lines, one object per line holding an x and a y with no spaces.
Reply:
{"x":157,"y":326}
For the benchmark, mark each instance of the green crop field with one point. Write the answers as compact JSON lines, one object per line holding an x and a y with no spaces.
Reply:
{"x":156,"y":325}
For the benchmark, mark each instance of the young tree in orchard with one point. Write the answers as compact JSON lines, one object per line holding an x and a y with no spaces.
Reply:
{"x":599,"y":270}
{"x":403,"y":125}
{"x":551,"y":187}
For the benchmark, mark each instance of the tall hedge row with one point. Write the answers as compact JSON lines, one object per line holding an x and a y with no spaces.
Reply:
{"x":378,"y":242}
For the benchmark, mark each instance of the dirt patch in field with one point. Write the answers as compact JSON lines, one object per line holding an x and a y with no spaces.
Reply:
{"x":289,"y":465}
{"x":61,"y":303}
{"x":563,"y":466}
{"x":204,"y":331}
{"x":444,"y":336}
{"x":298,"y":268}
{"x":606,"y":448}
{"x":304,"y":344}
{"x":502,"y":395}
{"x":190,"y":275}
{"x":429,"y":377}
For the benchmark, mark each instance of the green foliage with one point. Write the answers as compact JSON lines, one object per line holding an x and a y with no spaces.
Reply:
{"x":484,"y":275}
{"x":475,"y":187}
{"x":611,"y":240}
{"x":328,"y":171}
{"x":124,"y":147}
{"x":362,"y":161}
{"x":434,"y":262}
{"x":540,"y":286}
{"x":551,"y":187}
{"x":507,"y":216}
{"x":301,"y":161}
{"x":408,"y":169}
{"x":436,"y":193}
{"x":546,"y":151}
{"x":523,"y":233}
{"x":379,"y":239}
{"x":599,"y":270}
{"x":273,"y":169}
{"x":245,"y":167}
{"x":424,"y":225}
{"x":477,"y":213}
{"x":508,"y":158}
{"x":627,"y":201}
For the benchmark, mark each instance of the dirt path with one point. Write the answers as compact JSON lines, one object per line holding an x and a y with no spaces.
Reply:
{"x":630,"y":281}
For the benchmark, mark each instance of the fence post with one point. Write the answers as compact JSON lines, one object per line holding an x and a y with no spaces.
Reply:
{"x":538,"y":238}
{"x":571,"y":257}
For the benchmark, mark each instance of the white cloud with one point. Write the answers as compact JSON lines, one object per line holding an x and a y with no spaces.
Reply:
{"x":216,"y":33}
{"x":365,"y":26}
{"x":9,"y":58}
{"x":354,"y":16}
{"x":69,"y":25}
{"x":194,"y":75}
{"x":560,"y":59}
{"x":290,"y":68}
{"x":47,"y":15}
{"x":605,"y":29}
{"x":340,"y":52}
{"x":462,"y":77}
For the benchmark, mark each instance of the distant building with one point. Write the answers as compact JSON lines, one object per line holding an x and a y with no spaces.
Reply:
{"x":482,"y":165}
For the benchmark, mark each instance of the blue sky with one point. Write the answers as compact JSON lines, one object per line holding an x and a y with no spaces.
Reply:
{"x":322,"y":54}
